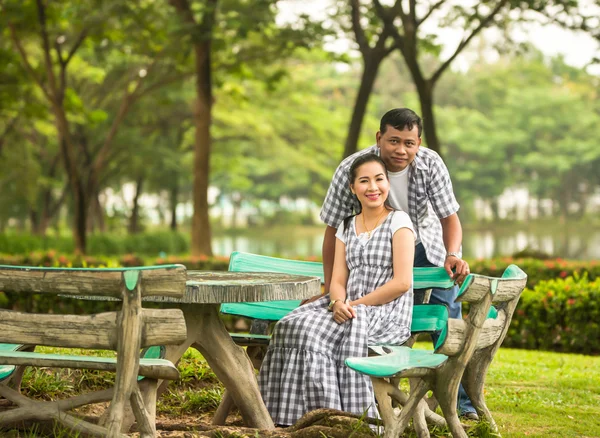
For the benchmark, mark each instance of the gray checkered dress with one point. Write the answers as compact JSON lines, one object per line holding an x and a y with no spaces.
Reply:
{"x":304,"y":366}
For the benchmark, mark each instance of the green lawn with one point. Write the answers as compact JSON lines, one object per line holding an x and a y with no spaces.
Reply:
{"x":542,"y":394}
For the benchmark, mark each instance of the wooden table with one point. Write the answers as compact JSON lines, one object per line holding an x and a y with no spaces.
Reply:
{"x":205,"y":291}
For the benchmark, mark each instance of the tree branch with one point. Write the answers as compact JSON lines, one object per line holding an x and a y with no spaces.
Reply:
{"x":388,"y":22}
{"x":46,"y":46}
{"x":128,"y":99}
{"x":162,"y":83}
{"x":8,"y":128}
{"x":483,"y":23}
{"x":412,"y":13}
{"x":82,"y":36}
{"x":26,"y":63}
{"x":429,"y":12}
{"x":359,"y":32}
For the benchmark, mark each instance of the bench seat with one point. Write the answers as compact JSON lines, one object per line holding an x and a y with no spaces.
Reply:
{"x":396,"y":360}
{"x":153,"y":368}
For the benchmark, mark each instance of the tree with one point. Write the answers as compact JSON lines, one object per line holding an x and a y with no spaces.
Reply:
{"x":374,"y":44}
{"x":229,"y":37}
{"x":81,"y":33}
{"x":406,"y":25}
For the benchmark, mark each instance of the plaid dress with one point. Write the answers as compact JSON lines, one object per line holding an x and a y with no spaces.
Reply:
{"x":304,"y":366}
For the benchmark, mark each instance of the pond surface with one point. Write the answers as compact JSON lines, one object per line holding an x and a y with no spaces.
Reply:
{"x":581,"y":243}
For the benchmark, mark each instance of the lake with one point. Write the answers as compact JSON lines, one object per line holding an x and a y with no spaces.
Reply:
{"x":581,"y":243}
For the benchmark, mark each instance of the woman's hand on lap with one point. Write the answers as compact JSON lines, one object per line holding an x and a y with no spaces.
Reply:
{"x":343,"y":312}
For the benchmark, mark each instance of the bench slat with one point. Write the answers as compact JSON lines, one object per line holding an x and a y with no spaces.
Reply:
{"x":153,"y":368}
{"x":163,"y":280}
{"x":99,"y":331}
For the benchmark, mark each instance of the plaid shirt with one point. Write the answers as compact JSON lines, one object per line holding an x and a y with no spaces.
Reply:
{"x":430,"y":197}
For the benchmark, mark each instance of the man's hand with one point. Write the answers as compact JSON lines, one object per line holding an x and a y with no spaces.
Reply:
{"x":460,"y":267}
{"x":342,"y":312}
{"x":311,"y":299}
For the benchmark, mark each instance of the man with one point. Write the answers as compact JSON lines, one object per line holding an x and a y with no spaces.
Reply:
{"x":420,"y":186}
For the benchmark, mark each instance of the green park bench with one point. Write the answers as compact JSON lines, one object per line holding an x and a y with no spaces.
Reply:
{"x":427,"y":318}
{"x":125,"y":331}
{"x":466,"y":346}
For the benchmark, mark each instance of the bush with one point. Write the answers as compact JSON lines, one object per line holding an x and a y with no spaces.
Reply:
{"x":559,"y":315}
{"x":106,"y":244}
{"x":537,"y":270}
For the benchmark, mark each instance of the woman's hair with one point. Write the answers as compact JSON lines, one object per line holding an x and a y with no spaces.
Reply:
{"x":363,"y":159}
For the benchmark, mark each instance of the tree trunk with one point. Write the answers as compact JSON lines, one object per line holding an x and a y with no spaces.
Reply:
{"x":98,"y":213}
{"x":369,"y":74}
{"x":34,"y":221}
{"x":80,"y":201}
{"x":425,"y":90}
{"x":201,"y":234}
{"x":174,"y":196}
{"x":135,"y":211}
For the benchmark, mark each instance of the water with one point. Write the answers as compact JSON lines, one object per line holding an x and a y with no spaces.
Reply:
{"x":578,"y":243}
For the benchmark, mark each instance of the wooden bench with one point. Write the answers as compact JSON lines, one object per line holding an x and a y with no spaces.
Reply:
{"x":125,"y":332}
{"x":427,"y":318}
{"x":465,"y":346}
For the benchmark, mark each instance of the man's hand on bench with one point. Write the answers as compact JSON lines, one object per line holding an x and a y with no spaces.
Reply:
{"x":311,"y":299}
{"x":456,"y":268}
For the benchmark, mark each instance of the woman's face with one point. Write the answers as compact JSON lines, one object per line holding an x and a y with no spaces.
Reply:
{"x":371,"y":185}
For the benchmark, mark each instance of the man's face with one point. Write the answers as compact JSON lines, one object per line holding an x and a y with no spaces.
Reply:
{"x":398,"y":148}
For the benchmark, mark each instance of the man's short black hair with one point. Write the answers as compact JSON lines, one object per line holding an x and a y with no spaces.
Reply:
{"x":401,"y":118}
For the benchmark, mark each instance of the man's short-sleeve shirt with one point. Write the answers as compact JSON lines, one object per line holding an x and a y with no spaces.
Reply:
{"x":430,"y":198}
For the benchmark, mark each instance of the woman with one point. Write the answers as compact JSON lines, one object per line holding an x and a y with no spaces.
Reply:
{"x":370,"y":302}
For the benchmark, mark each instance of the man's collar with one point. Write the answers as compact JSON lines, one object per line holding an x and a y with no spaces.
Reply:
{"x":418,"y":162}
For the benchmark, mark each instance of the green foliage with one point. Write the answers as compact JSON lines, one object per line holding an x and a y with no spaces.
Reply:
{"x":102,"y":244}
{"x":559,"y":314}
{"x":537,"y":270}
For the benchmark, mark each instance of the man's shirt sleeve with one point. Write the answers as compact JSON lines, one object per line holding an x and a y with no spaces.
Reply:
{"x":338,"y":203}
{"x":440,"y":190}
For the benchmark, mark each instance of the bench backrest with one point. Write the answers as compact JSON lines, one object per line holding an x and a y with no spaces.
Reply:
{"x":425,"y":318}
{"x":484,"y":326}
{"x":98,"y":331}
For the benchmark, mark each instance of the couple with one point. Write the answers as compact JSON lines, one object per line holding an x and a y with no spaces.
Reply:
{"x":405,"y":215}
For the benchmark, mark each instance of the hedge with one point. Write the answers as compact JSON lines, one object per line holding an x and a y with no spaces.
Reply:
{"x":559,"y":315}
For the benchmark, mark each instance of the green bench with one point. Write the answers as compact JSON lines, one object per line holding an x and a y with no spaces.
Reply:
{"x":125,"y":332}
{"x":466,"y":346}
{"x":427,"y":318}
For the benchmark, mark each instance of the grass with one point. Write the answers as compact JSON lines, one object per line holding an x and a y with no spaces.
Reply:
{"x":530,"y":393}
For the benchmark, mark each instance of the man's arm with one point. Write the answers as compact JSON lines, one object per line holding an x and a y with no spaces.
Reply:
{"x":328,"y":254}
{"x":452,"y":233}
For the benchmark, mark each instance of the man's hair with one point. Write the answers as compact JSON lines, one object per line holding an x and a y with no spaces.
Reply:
{"x":366,"y":158}
{"x":401,"y":118}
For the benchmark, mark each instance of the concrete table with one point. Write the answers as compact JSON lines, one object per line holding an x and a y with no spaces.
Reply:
{"x":205,"y":291}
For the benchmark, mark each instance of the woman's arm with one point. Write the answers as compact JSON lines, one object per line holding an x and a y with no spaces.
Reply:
{"x":403,"y":253}
{"x":342,"y":311}
{"x":339,"y":276}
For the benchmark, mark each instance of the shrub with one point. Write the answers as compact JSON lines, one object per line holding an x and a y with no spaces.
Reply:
{"x":537,"y":270}
{"x":560,"y":315}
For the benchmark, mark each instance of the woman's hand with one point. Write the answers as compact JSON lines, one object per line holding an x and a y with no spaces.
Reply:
{"x":342,"y":312}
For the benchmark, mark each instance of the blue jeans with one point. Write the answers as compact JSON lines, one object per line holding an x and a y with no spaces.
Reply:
{"x":445,"y":297}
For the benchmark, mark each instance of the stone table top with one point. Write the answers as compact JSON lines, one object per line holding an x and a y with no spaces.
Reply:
{"x":213,"y":287}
